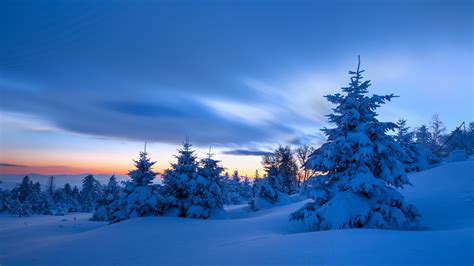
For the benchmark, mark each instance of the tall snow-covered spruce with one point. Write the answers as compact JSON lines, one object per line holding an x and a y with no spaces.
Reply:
{"x":362,"y":168}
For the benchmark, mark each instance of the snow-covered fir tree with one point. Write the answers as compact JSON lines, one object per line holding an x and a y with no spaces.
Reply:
{"x":70,"y":199}
{"x":105,"y":202}
{"x":179,"y":178}
{"x":90,"y":193}
{"x":140,"y":197}
{"x":272,"y":174}
{"x":268,"y":189}
{"x":36,"y":199}
{"x":20,"y":200}
{"x":206,"y":198}
{"x":362,"y":167}
{"x":282,"y":170}
{"x":51,"y":186}
{"x":246,"y":189}
{"x":4,"y":198}
{"x":423,"y":136}
{"x":438,"y":131}
{"x":47,"y":204}
{"x":224,"y":183}
{"x":235,"y":189}
{"x":255,"y":183}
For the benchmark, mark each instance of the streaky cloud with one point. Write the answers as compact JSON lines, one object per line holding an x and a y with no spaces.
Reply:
{"x":241,"y":152}
{"x":12,"y":165}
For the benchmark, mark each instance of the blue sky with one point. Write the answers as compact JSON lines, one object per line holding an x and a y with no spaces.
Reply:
{"x":81,"y":80}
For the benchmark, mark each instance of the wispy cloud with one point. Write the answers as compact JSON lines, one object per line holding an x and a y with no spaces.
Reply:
{"x":241,"y":152}
{"x":12,"y":165}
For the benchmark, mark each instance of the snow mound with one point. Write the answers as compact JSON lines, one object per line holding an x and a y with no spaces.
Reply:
{"x":457,"y":155}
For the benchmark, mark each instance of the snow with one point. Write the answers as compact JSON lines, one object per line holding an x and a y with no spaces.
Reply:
{"x":457,"y":155}
{"x":444,"y":195}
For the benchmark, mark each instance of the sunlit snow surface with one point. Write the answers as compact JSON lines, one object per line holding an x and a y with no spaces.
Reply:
{"x":444,"y":195}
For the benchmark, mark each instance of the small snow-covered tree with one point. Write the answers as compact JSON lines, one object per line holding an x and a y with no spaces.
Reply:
{"x":224,"y":183}
{"x":362,"y":167}
{"x":70,"y":200}
{"x":246,"y":189}
{"x":90,"y":193}
{"x":60,"y":202}
{"x":35,"y":199}
{"x":234,"y":189}
{"x":4,"y":198}
{"x":402,"y":134}
{"x":438,"y":131}
{"x":255,"y":183}
{"x":138,"y":198}
{"x":51,"y":186}
{"x":105,"y":204}
{"x":268,"y":190}
{"x":178,"y":178}
{"x":470,"y":138}
{"x":20,"y":201}
{"x":423,"y":136}
{"x":282,"y":163}
{"x":272,"y":174}
{"x":206,"y":197}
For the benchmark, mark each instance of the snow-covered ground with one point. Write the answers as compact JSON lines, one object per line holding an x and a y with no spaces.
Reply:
{"x":444,"y":195}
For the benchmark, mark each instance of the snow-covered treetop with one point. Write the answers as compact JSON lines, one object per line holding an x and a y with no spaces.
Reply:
{"x":186,"y":159}
{"x":142,"y":175}
{"x":355,"y":109}
{"x":403,"y":135}
{"x":89,"y":182}
{"x":210,"y":167}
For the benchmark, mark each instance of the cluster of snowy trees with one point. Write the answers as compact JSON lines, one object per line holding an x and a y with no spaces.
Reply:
{"x":190,"y":188}
{"x":29,"y":197}
{"x":197,"y":188}
{"x":235,"y":190}
{"x":416,"y":156}
{"x":279,"y":181}
{"x":435,"y":138}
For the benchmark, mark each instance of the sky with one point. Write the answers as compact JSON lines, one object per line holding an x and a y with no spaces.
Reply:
{"x":83,"y":84}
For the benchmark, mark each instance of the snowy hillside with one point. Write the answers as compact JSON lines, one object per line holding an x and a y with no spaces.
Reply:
{"x":444,"y":195}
